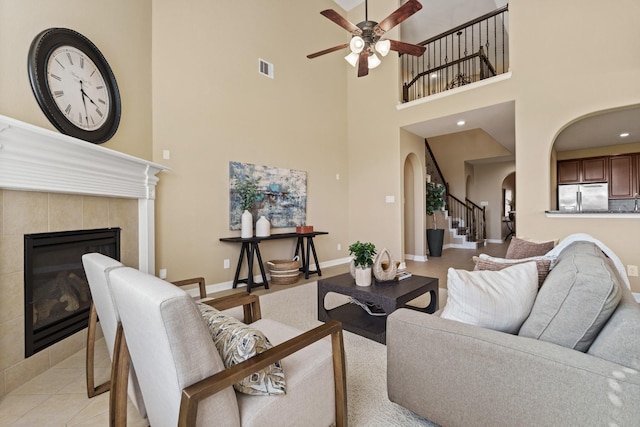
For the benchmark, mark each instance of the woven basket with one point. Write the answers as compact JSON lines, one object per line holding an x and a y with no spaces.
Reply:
{"x":284,"y":271}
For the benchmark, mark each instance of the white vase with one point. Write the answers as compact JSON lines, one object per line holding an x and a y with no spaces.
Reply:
{"x":363,"y":276}
{"x":247,"y":225}
{"x":263,"y":227}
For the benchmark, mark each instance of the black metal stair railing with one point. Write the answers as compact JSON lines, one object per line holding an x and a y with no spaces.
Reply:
{"x":467,"y":218}
{"x":471,"y":52}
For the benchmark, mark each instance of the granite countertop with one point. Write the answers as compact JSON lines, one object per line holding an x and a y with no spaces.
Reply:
{"x":594,"y":213}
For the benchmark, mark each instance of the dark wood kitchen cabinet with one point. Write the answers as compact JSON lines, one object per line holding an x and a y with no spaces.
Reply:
{"x":569,"y":171}
{"x":636,"y":174}
{"x":575,"y":171}
{"x":623,"y":176}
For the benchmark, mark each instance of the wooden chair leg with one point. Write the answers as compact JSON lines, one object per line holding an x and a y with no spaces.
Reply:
{"x":90,"y":367}
{"x":119,"y":381}
{"x":339,"y":378}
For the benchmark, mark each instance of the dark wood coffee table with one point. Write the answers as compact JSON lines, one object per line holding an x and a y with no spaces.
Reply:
{"x":389,"y":296}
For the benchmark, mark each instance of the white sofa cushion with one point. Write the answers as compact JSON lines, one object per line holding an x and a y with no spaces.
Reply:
{"x":499,"y":300}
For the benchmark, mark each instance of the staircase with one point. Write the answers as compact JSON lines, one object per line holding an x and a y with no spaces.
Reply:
{"x":467,"y":222}
{"x":459,"y":235}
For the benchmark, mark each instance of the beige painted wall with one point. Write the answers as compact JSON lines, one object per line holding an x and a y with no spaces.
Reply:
{"x":457,"y":149}
{"x":610,"y":150}
{"x":564,"y":86}
{"x":211,"y":107}
{"x":488,"y":184}
{"x":549,"y":93}
{"x":121,"y":29}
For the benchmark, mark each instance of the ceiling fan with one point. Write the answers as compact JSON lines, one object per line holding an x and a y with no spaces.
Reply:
{"x":366,"y":37}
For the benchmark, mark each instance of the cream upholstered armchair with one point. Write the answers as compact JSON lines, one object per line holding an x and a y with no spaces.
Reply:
{"x":97,"y":267}
{"x":202,"y":289}
{"x":182,"y":376}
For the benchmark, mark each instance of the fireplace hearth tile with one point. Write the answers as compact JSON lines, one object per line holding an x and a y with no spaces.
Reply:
{"x":25,"y":212}
{"x":12,"y":301}
{"x":65,"y":212}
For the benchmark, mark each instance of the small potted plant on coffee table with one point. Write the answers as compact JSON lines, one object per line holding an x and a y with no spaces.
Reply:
{"x":363,"y":254}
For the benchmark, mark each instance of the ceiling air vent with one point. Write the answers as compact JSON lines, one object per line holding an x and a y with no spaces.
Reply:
{"x":265,"y":68}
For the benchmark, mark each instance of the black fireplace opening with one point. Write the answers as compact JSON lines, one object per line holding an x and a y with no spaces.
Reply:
{"x":57,"y":298}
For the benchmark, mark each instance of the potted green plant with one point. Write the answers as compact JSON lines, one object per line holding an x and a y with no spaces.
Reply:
{"x":363,"y":254}
{"x":435,"y":202}
{"x":247,"y":189}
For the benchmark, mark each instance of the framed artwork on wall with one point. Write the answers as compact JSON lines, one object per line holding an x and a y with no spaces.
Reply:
{"x":281,"y":194}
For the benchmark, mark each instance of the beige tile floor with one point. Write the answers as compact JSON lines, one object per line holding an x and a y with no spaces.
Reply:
{"x":58,"y":396}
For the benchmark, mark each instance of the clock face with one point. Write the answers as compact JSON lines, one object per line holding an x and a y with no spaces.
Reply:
{"x":74,"y":85}
{"x":78,"y":88}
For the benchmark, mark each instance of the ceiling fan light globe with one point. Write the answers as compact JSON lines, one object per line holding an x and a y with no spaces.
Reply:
{"x":383,"y":47}
{"x":352,"y":58}
{"x":356,"y":44}
{"x":374,"y":61}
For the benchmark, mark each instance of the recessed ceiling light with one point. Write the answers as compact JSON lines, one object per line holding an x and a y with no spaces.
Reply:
{"x":461,"y":123}
{"x":624,"y":134}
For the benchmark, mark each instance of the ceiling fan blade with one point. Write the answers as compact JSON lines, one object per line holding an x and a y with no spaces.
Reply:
{"x":402,"y":13}
{"x":408,"y":48}
{"x":331,"y":49}
{"x":338,"y":19}
{"x":363,"y":64}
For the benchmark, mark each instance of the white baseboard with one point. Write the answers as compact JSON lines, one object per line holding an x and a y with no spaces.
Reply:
{"x":223,"y":286}
{"x":418,"y":258}
{"x":495,"y":241}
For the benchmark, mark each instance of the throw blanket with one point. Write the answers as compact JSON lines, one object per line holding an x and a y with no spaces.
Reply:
{"x":586,"y":237}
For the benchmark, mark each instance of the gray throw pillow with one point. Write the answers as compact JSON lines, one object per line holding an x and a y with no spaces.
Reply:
{"x":237,"y":342}
{"x":618,"y":341}
{"x":578,"y":297}
{"x":519,"y":248}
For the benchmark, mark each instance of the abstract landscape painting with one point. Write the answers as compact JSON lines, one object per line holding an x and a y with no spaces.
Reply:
{"x":282,"y":194}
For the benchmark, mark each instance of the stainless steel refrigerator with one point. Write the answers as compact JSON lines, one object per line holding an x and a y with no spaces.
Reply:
{"x":583,"y":197}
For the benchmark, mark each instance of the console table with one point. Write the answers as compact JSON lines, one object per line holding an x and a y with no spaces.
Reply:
{"x":251,"y":247}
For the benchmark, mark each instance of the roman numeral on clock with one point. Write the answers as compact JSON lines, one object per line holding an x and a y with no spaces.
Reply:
{"x":68,"y":109}
{"x":58,"y":93}
{"x":70,"y":60}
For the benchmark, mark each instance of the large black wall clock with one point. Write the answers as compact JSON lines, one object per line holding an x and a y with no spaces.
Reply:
{"x":74,"y":85}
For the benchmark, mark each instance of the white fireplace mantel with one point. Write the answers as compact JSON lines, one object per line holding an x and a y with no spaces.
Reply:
{"x":38,"y":159}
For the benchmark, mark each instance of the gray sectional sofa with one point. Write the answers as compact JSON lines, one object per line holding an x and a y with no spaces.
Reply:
{"x":571,"y":364}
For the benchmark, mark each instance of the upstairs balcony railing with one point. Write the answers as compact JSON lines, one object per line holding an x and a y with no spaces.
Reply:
{"x":466,"y":54}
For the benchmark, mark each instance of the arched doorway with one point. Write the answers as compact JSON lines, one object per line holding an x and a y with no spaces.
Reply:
{"x":413,"y":199}
{"x":508,"y":208}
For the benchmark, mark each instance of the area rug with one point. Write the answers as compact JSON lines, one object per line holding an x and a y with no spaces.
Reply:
{"x":368,"y":404}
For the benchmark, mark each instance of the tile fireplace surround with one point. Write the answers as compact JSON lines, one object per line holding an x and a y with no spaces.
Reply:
{"x":52,"y":182}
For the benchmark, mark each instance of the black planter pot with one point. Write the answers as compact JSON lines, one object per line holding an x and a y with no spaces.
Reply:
{"x":435,"y":238}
